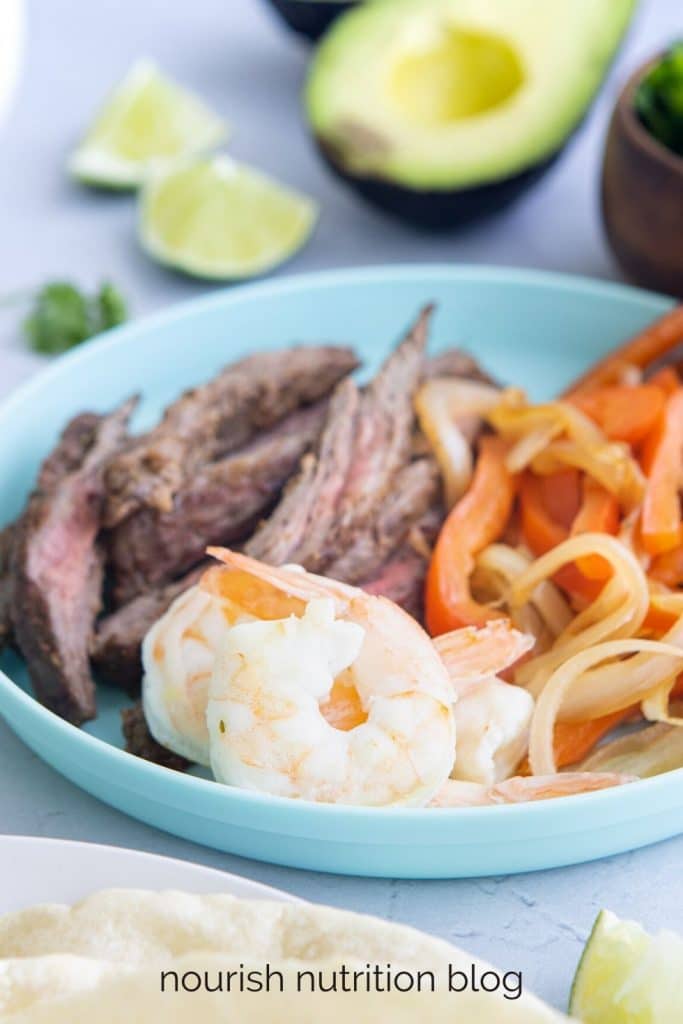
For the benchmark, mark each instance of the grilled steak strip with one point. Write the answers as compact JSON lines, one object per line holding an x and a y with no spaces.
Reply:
{"x":383,"y":435}
{"x":220,"y":505}
{"x":455,"y":362}
{"x":415,"y":490}
{"x":115,"y":650}
{"x":366,"y":440}
{"x":217,"y":418}
{"x":402,"y":576}
{"x":298,"y":528}
{"x":401,"y":579}
{"x":57,"y":567}
{"x":139,"y":741}
{"x":67,"y":456}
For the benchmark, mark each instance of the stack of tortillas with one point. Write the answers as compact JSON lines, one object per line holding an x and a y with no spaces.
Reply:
{"x":101,"y":962}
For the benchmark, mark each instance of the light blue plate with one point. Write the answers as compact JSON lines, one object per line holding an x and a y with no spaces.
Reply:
{"x":531,"y":329}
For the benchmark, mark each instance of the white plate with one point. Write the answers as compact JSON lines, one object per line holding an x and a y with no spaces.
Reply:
{"x":36,"y":870}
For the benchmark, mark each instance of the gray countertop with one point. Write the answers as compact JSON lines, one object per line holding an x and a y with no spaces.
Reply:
{"x":249,"y":68}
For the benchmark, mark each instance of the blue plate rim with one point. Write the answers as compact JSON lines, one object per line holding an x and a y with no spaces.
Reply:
{"x":371,"y":273}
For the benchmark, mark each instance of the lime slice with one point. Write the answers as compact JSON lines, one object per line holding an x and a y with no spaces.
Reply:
{"x":627,"y":976}
{"x":218,"y":219}
{"x":146,"y":121}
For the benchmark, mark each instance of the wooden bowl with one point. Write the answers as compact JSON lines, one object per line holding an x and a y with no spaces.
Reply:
{"x":642,"y":198}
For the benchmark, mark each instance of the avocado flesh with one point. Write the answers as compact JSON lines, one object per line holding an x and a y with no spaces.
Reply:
{"x":444,"y":96}
{"x":310,"y":17}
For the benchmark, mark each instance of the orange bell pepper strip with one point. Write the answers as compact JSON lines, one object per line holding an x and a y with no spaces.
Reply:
{"x":572,"y":741}
{"x":476,"y":521}
{"x":540,"y":530}
{"x":541,"y":533}
{"x":657,"y":622}
{"x":623,"y":413}
{"x":668,"y":568}
{"x":599,"y":513}
{"x":561,"y":495}
{"x":660,"y":525}
{"x":666,"y":379}
{"x":654,"y":342}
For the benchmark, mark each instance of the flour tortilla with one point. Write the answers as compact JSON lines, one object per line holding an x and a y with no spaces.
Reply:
{"x":32,"y":980}
{"x":131,"y":935}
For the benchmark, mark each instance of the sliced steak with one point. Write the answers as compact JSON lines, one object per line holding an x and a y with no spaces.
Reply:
{"x":75,"y":441}
{"x":455,"y":362}
{"x":221,"y":504}
{"x":415,"y":490}
{"x":217,"y":418}
{"x":402,"y":580}
{"x":139,"y":741}
{"x":116,"y":647}
{"x":402,"y":576}
{"x":57,"y":568}
{"x":67,"y":456}
{"x":383,"y":435}
{"x":298,"y":529}
{"x":6,"y":546}
{"x":367,"y":439}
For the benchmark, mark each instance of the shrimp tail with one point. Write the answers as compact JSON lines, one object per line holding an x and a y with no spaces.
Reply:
{"x":291,"y":580}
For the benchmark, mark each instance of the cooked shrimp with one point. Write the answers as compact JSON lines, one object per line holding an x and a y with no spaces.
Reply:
{"x":178,"y":655}
{"x":267,"y":730}
{"x":523,"y":789}
{"x":492,"y":724}
{"x":492,"y":718}
{"x":472,"y":655}
{"x":455,"y":793}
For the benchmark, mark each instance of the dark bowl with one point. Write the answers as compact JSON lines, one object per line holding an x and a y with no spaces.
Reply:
{"x":310,"y":17}
{"x":642,"y":198}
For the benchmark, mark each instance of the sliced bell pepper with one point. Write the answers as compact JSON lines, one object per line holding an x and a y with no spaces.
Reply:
{"x":541,"y":533}
{"x":540,"y":530}
{"x":660,"y":525}
{"x":561,"y":495}
{"x":655,"y":341}
{"x":623,"y":413}
{"x":668,"y":568}
{"x":476,"y":521}
{"x":666,"y":379}
{"x":599,"y":513}
{"x":572,"y":741}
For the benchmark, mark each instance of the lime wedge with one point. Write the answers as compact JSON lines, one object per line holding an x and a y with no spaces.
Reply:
{"x":626,"y":976}
{"x":219,"y":219}
{"x":146,"y":121}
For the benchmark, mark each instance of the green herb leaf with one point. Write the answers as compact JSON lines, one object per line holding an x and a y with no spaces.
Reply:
{"x":659,"y":100}
{"x":60,"y":319}
{"x":62,"y":316}
{"x":111,"y":307}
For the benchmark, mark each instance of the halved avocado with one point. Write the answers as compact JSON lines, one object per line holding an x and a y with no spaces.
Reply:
{"x":441,"y":110}
{"x":311,"y":17}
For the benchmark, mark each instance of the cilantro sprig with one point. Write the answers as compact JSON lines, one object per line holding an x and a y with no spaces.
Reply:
{"x":659,"y":99}
{"x":62,"y":316}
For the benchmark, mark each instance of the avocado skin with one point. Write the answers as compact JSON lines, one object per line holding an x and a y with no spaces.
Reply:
{"x":309,"y":19}
{"x":439,"y":210}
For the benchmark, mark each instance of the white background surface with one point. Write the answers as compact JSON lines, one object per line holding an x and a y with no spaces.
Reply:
{"x":236,"y":55}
